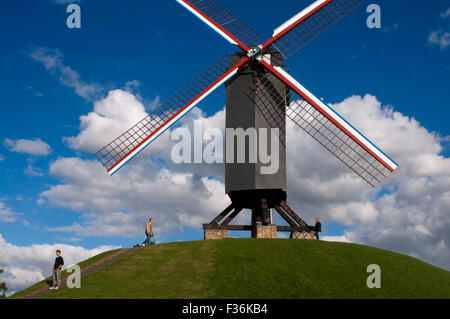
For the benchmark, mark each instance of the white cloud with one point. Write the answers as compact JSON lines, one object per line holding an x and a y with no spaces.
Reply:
{"x":25,"y":266}
{"x":26,"y":146}
{"x":409,"y":213}
{"x":32,"y":171}
{"x":35,"y":92}
{"x":339,"y":239}
{"x":394,"y":28}
{"x":126,"y":200}
{"x":52,"y":61}
{"x":6,"y":214}
{"x":1,"y":158}
{"x":118,"y":112}
{"x":111,"y":116}
{"x":441,"y":38}
{"x":445,"y":14}
{"x":120,"y":205}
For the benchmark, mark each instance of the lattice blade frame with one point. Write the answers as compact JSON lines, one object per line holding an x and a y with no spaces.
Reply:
{"x":330,"y":130}
{"x":297,"y":32}
{"x":117,"y":153}
{"x":223,"y":22}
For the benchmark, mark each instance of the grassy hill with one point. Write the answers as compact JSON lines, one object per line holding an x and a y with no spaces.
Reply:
{"x":248,"y":268}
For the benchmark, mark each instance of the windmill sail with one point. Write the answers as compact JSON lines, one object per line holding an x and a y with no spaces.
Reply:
{"x":223,"y":22}
{"x":114,"y":155}
{"x":307,"y":111}
{"x":329,"y":129}
{"x":301,"y":29}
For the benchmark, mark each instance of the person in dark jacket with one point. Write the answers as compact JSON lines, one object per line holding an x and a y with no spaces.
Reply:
{"x":318,"y":228}
{"x":59,"y":263}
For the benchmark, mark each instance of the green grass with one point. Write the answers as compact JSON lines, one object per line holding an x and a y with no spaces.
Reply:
{"x":248,"y":268}
{"x":48,"y":281}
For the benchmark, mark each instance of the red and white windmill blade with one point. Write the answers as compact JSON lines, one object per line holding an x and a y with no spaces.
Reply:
{"x":308,"y":112}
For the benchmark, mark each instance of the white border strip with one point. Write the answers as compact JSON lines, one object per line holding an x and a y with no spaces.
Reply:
{"x":169,"y":124}
{"x":207,"y":22}
{"x":340,"y":120}
{"x":298,"y":16}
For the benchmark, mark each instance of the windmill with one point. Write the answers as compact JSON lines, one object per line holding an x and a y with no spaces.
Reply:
{"x":260,"y":93}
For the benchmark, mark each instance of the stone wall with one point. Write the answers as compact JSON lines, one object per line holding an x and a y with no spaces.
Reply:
{"x":216,"y":234}
{"x":260,"y":232}
{"x":266,"y":231}
{"x":302,"y":235}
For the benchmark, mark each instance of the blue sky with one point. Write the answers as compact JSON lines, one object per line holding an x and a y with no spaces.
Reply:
{"x":161,"y":45}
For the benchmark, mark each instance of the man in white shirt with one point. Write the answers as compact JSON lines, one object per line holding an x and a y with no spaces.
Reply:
{"x":148,"y":233}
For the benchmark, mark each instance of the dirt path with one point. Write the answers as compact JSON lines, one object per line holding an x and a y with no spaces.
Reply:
{"x":84,"y":272}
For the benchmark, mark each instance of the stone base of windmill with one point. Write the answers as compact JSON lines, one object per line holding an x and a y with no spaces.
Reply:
{"x":265,"y":232}
{"x":302,"y":235}
{"x":212,"y":234}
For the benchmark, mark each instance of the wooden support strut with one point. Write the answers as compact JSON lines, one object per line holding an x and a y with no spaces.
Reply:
{"x":295,"y":222}
{"x":265,"y":212}
{"x":285,"y":216}
{"x":215,"y":222}
{"x":291,"y":213}
{"x":248,"y":227}
{"x":231,"y":217}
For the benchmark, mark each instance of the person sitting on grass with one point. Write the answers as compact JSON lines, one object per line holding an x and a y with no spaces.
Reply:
{"x":59,"y":263}
{"x":148,"y":233}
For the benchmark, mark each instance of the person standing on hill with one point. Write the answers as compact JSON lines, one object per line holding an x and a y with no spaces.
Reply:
{"x":318,"y":228}
{"x":59,"y":263}
{"x":148,"y":233}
